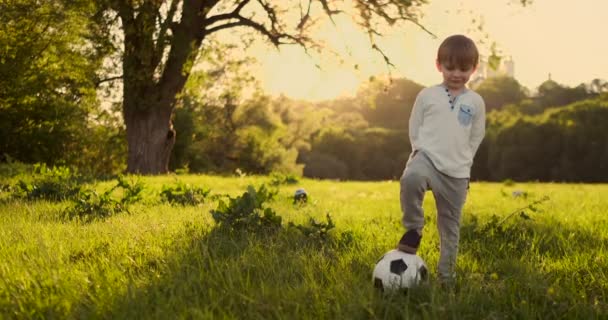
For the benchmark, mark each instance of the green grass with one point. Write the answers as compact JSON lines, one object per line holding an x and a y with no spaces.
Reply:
{"x":166,"y":262}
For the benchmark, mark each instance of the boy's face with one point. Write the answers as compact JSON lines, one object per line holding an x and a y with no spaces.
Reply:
{"x":455,"y":77}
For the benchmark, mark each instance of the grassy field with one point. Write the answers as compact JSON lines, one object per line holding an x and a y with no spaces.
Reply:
{"x":167,"y":262}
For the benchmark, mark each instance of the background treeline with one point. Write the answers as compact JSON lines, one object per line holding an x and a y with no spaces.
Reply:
{"x":556,"y":134}
{"x":56,"y":108}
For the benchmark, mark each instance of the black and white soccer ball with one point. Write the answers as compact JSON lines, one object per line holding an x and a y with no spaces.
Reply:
{"x":300,"y":196}
{"x":399,"y":270}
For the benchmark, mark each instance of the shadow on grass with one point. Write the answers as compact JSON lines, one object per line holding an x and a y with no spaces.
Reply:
{"x":222,"y":273}
{"x":542,"y":270}
{"x":281,"y":274}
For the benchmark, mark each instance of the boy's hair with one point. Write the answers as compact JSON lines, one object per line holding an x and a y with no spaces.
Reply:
{"x":458,"y":51}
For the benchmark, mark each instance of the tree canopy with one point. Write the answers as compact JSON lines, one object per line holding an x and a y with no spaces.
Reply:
{"x":162,"y":39}
{"x":50,"y":52}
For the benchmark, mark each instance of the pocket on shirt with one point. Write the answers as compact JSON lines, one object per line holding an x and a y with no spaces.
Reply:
{"x":465,"y":115}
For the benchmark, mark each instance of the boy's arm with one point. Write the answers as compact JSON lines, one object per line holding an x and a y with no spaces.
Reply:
{"x":416,"y":119}
{"x":478,"y":129}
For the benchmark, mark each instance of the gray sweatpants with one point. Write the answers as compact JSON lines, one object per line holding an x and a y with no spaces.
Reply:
{"x":450,"y":194}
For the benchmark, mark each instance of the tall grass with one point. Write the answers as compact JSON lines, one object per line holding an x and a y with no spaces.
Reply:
{"x":159,"y":261}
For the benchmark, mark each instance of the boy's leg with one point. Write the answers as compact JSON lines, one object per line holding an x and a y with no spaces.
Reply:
{"x":450,"y":195}
{"x":414,"y":183}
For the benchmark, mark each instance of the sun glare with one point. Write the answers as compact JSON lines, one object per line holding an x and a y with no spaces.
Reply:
{"x":541,"y":39}
{"x":293,"y":73}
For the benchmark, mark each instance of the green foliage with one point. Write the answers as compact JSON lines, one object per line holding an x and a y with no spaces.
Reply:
{"x":223,"y":128}
{"x":498,"y":92}
{"x":54,"y":183}
{"x":551,"y":94}
{"x":103,"y":148}
{"x":12,"y":168}
{"x":522,"y":211}
{"x":512,"y":232}
{"x":183,"y":194}
{"x":247,"y":212}
{"x":562,"y":144}
{"x":89,"y":205}
{"x":371,"y":154}
{"x":132,"y":189}
{"x":49,"y":56}
{"x":315,"y":229}
{"x":222,"y":132}
{"x":277,"y":178}
{"x":386,"y":104}
{"x":508,"y":182}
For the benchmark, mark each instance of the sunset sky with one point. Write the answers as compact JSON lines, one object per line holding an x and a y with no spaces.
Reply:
{"x":562,"y":37}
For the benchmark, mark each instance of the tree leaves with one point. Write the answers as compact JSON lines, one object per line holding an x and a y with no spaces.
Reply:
{"x":51,"y":51}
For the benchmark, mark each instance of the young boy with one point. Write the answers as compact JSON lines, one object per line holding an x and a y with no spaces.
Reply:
{"x":446,"y":127}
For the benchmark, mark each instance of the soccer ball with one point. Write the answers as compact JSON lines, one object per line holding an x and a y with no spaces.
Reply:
{"x":300,"y":196}
{"x":399,"y":270}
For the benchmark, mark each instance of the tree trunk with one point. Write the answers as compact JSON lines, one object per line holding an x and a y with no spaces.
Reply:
{"x":148,"y":100}
{"x":150,"y":138}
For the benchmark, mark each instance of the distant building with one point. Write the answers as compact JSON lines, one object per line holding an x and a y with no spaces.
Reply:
{"x":505,"y":68}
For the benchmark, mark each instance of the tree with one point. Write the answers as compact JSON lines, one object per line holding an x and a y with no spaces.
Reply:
{"x":552,"y":94}
{"x":388,"y":106}
{"x":162,"y":39}
{"x":347,"y":153}
{"x":49,"y":54}
{"x":500,"y":91}
{"x":597,"y":86}
{"x":229,"y":132}
{"x":565,"y":143}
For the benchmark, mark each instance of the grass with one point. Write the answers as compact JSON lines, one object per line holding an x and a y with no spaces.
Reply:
{"x":158,"y":261}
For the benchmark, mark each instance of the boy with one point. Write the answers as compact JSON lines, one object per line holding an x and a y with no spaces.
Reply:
{"x":446,"y":127}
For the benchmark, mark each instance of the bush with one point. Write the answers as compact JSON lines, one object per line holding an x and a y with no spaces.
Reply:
{"x":315,"y":229}
{"x":247,"y":211}
{"x":183,"y":194}
{"x":90,"y":205}
{"x":56,"y":184}
{"x":277,"y":179}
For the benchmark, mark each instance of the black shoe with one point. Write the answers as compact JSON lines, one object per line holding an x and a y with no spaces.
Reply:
{"x":410,"y":242}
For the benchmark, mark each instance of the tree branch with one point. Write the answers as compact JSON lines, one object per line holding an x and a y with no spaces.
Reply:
{"x":271,"y":12}
{"x":98,"y":82}
{"x":327,"y":10}
{"x":160,"y":41}
{"x":273,"y":33}
{"x":382,"y":10}
{"x":274,"y":38}
{"x":227,"y":16}
{"x":304,"y":17}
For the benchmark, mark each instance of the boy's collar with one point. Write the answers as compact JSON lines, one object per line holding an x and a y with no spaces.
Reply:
{"x":464,"y":89}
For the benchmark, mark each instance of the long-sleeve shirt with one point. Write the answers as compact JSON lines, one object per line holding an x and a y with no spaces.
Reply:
{"x":448,"y":130}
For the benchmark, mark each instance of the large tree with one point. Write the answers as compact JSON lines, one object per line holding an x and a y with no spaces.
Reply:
{"x":49,"y":54}
{"x":161,"y":40}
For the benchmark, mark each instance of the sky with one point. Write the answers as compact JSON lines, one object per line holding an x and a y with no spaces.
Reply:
{"x":561,"y":38}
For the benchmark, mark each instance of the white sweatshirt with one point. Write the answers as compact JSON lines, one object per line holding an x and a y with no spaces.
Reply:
{"x":449,"y":133}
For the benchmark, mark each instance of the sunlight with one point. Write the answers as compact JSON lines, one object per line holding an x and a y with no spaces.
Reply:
{"x":541,"y":38}
{"x":292,"y":73}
